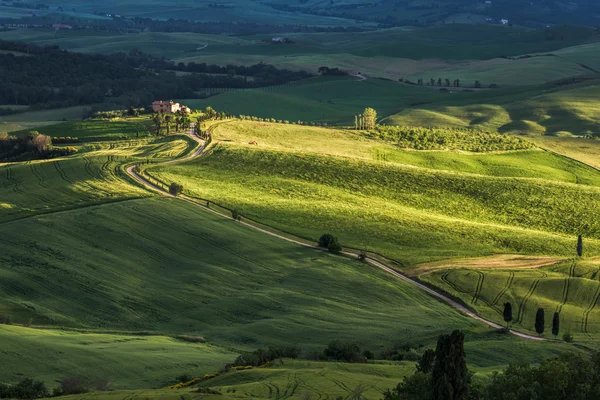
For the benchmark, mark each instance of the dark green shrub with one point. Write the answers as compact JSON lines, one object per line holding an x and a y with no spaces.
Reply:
{"x":334,"y":246}
{"x":175,"y":189}
{"x":325,"y":239}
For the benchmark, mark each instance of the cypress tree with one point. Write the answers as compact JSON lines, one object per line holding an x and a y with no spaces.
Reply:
{"x":555,"y":324}
{"x":579,"y":246}
{"x":539,"y":321}
{"x":507,"y":313}
{"x":450,"y":375}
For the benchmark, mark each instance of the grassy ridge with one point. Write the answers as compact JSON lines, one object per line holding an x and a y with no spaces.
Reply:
{"x":350,"y":143}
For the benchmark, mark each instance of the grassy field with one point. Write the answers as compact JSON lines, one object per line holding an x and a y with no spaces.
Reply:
{"x":96,"y":129}
{"x":128,"y":361}
{"x":571,"y":288}
{"x":393,"y":208}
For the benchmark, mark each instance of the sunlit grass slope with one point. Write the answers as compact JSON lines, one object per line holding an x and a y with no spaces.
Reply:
{"x":411,"y":214}
{"x":571,"y":288}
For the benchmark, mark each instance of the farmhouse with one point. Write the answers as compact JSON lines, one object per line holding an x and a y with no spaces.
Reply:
{"x":169,"y":107}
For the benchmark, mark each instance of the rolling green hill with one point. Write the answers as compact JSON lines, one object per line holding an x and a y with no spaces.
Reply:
{"x":392,"y":208}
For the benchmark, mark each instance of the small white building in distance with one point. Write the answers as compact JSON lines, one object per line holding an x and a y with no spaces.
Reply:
{"x":504,"y":21}
{"x":169,"y":107}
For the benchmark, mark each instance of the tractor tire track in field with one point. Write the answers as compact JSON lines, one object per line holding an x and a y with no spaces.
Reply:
{"x":39,"y":176}
{"x":130,"y":170}
{"x":444,"y":277}
{"x":509,"y":281}
{"x":565,"y":293}
{"x":526,"y":298}
{"x":90,"y":171}
{"x":10,"y":177}
{"x":478,"y":287}
{"x":588,"y":311}
{"x":62,"y":173}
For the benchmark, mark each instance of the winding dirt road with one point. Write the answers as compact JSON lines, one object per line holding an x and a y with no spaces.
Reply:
{"x":202,"y":145}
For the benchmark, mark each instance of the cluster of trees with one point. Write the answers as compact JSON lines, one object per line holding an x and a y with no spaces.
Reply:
{"x":423,"y":138}
{"x":280,"y":121}
{"x":443,"y":375}
{"x":33,"y":389}
{"x":32,"y":146}
{"x":331,"y":243}
{"x":326,"y":71}
{"x":366,"y":120}
{"x":446,"y":83}
{"x":261,"y":356}
{"x":120,"y":79}
{"x":180,"y":121}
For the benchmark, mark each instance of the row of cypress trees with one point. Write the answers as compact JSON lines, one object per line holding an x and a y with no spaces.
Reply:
{"x":539,"y":320}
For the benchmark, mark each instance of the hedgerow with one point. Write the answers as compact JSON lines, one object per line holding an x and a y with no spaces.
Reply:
{"x":422,"y":138}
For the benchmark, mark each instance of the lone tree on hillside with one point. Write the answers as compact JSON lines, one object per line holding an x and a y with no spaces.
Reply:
{"x":555,"y":324}
{"x":235,"y":214}
{"x":369,"y":118}
{"x":450,"y":375}
{"x":539,"y":321}
{"x":507,"y":314}
{"x":579,"y":246}
{"x":175,"y":189}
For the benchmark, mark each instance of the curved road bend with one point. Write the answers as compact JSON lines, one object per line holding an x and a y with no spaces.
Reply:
{"x":454,"y":304}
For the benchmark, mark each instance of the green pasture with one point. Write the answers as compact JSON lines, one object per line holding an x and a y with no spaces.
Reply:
{"x":128,"y":361}
{"x":571,"y":288}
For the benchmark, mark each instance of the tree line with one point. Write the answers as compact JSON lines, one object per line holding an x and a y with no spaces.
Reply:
{"x":32,"y":146}
{"x":53,"y":78}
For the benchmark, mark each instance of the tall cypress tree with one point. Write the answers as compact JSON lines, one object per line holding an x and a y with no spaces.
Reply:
{"x":555,"y":324}
{"x":539,"y":321}
{"x":579,"y":246}
{"x":507,"y":313}
{"x":450,"y":375}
